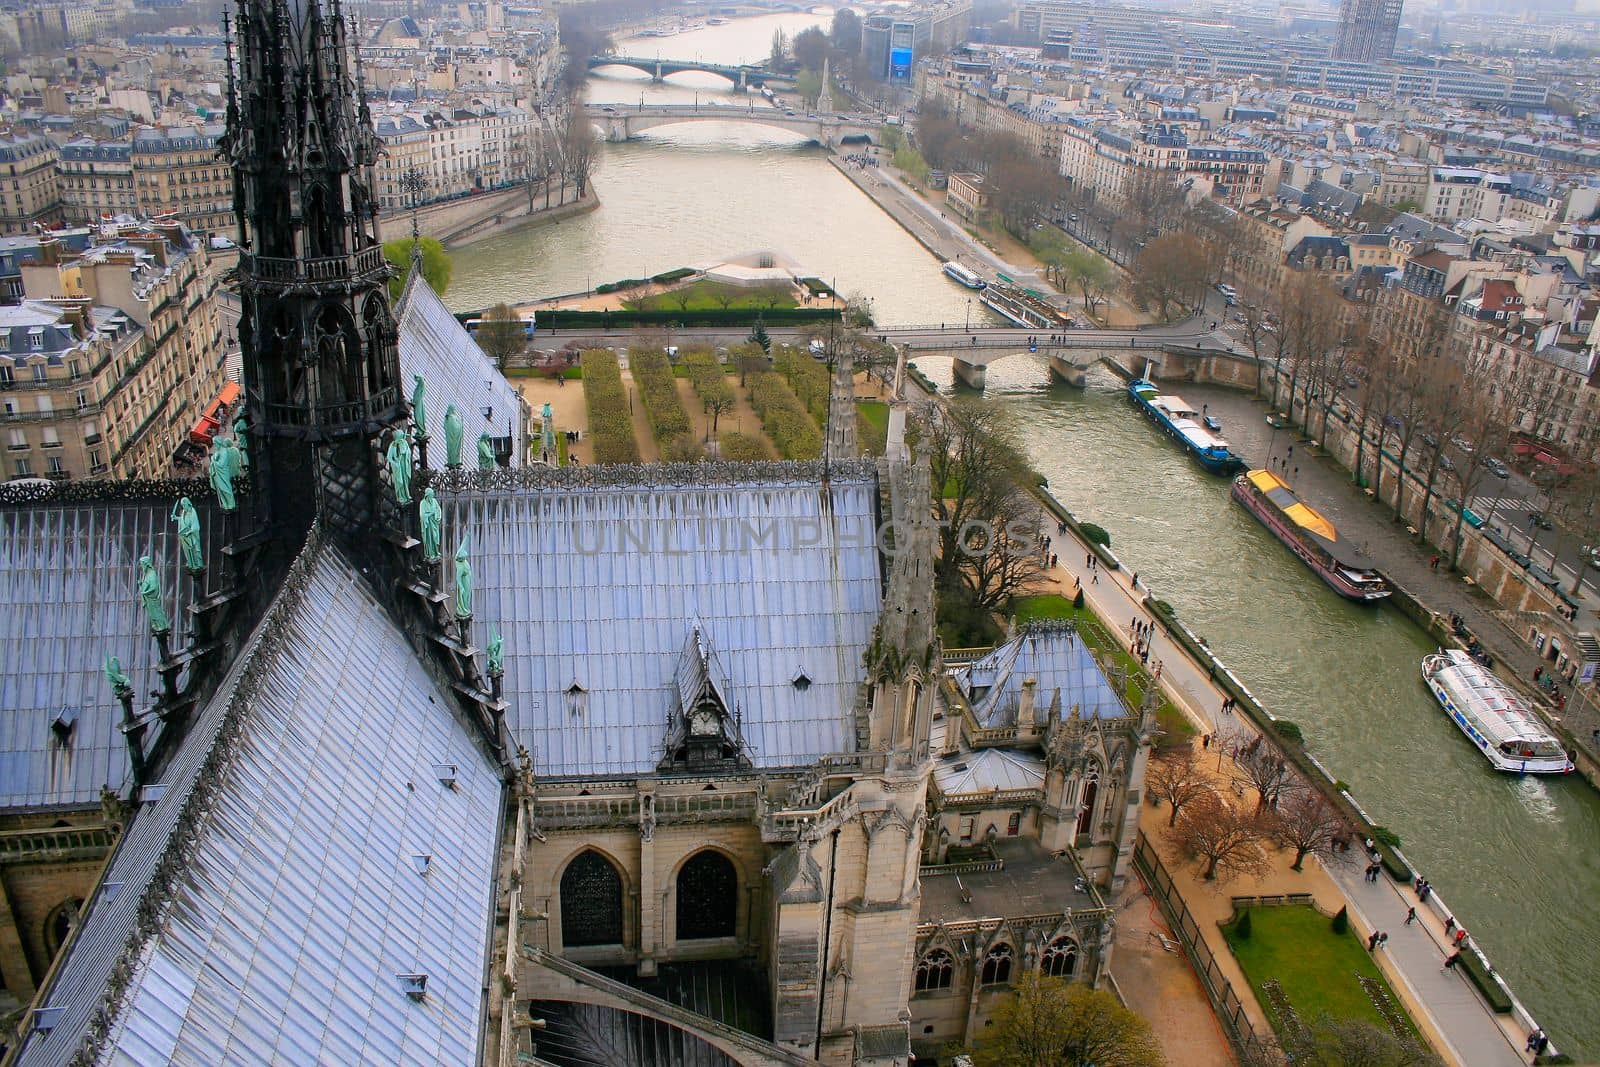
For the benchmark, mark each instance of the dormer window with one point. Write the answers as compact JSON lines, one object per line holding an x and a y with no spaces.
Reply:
{"x":577,"y":698}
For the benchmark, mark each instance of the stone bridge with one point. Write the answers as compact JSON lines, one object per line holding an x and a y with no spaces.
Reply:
{"x":742,"y":76}
{"x":623,"y":121}
{"x":1183,"y":350}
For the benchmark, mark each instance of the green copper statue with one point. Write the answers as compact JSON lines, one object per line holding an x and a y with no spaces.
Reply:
{"x":120,"y":682}
{"x":399,"y":460}
{"x":419,"y":406}
{"x":453,"y":432}
{"x":432,"y":518}
{"x":496,"y":654}
{"x":220,"y":470}
{"x":239,"y":427}
{"x":485,"y":452}
{"x":463,"y":582}
{"x":150,"y":596}
{"x":189,"y":534}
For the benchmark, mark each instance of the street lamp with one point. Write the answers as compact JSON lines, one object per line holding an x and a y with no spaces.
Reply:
{"x":969,"y":315}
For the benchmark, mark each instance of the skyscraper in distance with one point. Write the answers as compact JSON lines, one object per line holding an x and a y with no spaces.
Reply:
{"x":1367,"y":30}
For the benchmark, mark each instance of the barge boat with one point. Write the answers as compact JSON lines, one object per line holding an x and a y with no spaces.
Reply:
{"x":1510,"y":736}
{"x":1023,"y":308}
{"x":1178,"y":420}
{"x":1309,"y":535}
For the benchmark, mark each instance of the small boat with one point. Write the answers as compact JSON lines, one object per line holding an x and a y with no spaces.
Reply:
{"x":1023,"y":308}
{"x":1173,"y":415}
{"x":1212,"y":423}
{"x":716,"y":22}
{"x":1510,"y":736}
{"x":966,"y":277}
{"x":1310,"y":536}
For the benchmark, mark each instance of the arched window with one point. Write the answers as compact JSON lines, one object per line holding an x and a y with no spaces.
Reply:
{"x":591,"y":901}
{"x":997,"y":965}
{"x":1091,"y":793}
{"x":59,"y":924}
{"x":708,"y":897}
{"x":1060,"y":958}
{"x":935,"y":971}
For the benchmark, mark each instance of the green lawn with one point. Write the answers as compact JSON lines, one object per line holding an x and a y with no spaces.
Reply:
{"x":1175,"y":724}
{"x":874,"y":419}
{"x":1314,"y":967}
{"x":707,"y":295}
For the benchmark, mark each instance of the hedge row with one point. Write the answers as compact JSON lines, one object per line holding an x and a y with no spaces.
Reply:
{"x":652,"y":373}
{"x":610,"y":425}
{"x":664,"y":278}
{"x":623,"y":319}
{"x":807,"y":377}
{"x":709,"y":378}
{"x":741,"y":446}
{"x":791,"y":430}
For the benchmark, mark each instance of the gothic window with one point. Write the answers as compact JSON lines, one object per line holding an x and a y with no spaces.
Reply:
{"x":936,"y":970}
{"x":1014,"y":824}
{"x":708,"y":897}
{"x":1091,"y":793}
{"x":59,"y":924}
{"x":997,"y":965}
{"x":1060,"y":958}
{"x":591,"y":901}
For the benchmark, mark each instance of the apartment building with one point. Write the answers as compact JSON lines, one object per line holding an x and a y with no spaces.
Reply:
{"x":30,"y":193}
{"x":454,"y":154}
{"x":97,"y":180}
{"x":177,"y":172}
{"x":137,"y":399}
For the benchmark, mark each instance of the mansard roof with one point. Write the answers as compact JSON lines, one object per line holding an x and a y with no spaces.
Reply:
{"x":266,"y":907}
{"x":594,"y":576}
{"x":435,"y":345}
{"x":1056,"y":659}
{"x":69,"y":577}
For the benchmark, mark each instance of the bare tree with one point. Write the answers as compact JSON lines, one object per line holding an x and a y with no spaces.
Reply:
{"x":577,"y":147}
{"x":1177,"y":775}
{"x":1306,"y":822}
{"x":1170,"y":272}
{"x":1263,"y":768}
{"x":1226,"y":839}
{"x":501,"y":335}
{"x":1330,"y":1042}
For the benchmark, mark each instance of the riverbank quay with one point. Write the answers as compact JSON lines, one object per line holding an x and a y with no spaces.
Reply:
{"x":1444,"y":1003}
{"x":1324,"y":483}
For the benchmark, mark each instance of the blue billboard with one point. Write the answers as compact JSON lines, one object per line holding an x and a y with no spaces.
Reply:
{"x":899,"y":63}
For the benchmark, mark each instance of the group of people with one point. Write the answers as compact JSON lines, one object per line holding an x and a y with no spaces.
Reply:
{"x":1094,"y":568}
{"x":861,"y":159}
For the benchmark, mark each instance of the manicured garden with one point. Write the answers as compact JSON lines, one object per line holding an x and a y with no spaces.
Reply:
{"x":1301,"y":969}
{"x":708,"y":295}
{"x":610,"y":425}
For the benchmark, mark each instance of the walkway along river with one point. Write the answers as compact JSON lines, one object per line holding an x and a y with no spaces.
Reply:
{"x":1517,"y":859}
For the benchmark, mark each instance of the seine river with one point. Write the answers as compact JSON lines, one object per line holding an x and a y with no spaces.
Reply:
{"x":1518,"y":860}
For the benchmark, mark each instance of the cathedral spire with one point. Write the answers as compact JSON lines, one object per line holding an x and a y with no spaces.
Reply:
{"x":320,"y":354}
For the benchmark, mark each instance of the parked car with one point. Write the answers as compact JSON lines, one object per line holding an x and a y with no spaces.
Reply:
{"x":1429,"y":440}
{"x":1496,"y":468}
{"x":1538,"y":519}
{"x":1447,"y":463}
{"x":1463,"y":444}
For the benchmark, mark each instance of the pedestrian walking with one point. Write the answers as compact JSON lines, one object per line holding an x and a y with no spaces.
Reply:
{"x":1383,"y":939}
{"x":1427,"y":890}
{"x":1088,"y":559}
{"x":1094,"y":577}
{"x":1434,"y":563}
{"x":1205,"y":742}
{"x":1449,"y":923}
{"x":1451,"y":960}
{"x":1461,"y":938}
{"x":1533,"y":1040}
{"x":1054,"y":560}
{"x":1411,"y":916}
{"x":1372,"y":942}
{"x":1158,"y":670}
{"x":1135,"y":583}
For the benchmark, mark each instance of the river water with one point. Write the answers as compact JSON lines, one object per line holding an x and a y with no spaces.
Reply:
{"x":1518,"y":860}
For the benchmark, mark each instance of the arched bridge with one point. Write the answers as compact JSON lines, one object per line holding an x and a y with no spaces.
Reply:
{"x":742,"y":76}
{"x":623,"y":121}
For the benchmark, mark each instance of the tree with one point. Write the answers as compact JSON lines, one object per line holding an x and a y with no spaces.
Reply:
{"x":1330,"y":1042}
{"x":749,"y":358}
{"x":1176,"y":776}
{"x":845,"y":32}
{"x":1263,"y":768}
{"x":577,"y":147}
{"x":780,"y":49}
{"x":1152,"y":200}
{"x":1089,"y":274}
{"x":987,"y":548}
{"x":1050,"y":1022}
{"x":810,"y":48}
{"x":436,"y":266}
{"x":758,"y":335}
{"x":717,"y":404}
{"x":501,"y":335}
{"x":1307,"y":823}
{"x":1049,"y":246}
{"x":1226,"y":839}
{"x":1170,"y":272}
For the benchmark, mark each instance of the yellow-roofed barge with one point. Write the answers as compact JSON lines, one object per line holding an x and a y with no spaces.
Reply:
{"x":1309,"y":535}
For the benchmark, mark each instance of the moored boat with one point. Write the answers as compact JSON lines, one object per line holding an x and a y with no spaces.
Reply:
{"x":1173,"y":415}
{"x":1309,"y":535}
{"x":1507,"y":732}
{"x":962,"y":275}
{"x":1023,"y":308}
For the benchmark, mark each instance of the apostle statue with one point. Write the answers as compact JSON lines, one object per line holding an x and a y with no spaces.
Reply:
{"x":453,"y":433}
{"x":431,"y":516}
{"x":398,"y":459}
{"x":150,"y":597}
{"x":189,"y":534}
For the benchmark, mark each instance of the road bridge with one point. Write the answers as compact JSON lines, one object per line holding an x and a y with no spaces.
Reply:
{"x":742,"y":76}
{"x":829,"y":129}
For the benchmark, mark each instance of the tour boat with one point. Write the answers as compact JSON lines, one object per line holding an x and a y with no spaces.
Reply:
{"x":1173,"y":415}
{"x":716,"y":22}
{"x":1023,"y":308}
{"x":964,"y":276}
{"x":1508,"y":733}
{"x":1309,"y":535}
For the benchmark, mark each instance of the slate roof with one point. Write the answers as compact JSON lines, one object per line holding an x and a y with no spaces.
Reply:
{"x":282,"y":850}
{"x":69,"y":576}
{"x":1060,"y":663}
{"x":436,"y":346}
{"x":600,"y":587}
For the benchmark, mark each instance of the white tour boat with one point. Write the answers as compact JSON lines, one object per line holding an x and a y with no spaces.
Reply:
{"x":1510,"y":735}
{"x":968,"y":278}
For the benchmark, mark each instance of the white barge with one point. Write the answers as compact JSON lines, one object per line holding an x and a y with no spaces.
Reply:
{"x":1508,"y":733}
